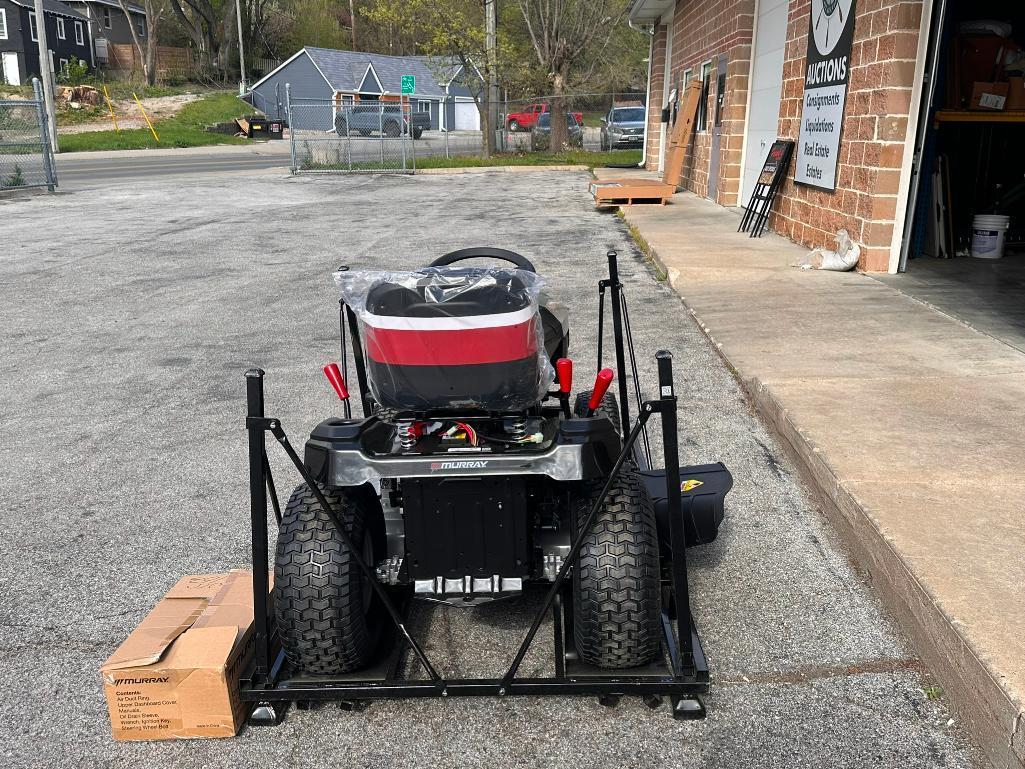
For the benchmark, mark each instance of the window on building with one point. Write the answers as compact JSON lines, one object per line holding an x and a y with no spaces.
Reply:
{"x":63,"y":67}
{"x":3,"y":24}
{"x":706,"y":83}
{"x":106,"y":18}
{"x":79,"y":33}
{"x":60,"y":29}
{"x":32,"y":27}
{"x":423,"y":106}
{"x":141,"y":25}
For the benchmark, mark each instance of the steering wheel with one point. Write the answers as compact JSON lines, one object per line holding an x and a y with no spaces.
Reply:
{"x":484,"y":252}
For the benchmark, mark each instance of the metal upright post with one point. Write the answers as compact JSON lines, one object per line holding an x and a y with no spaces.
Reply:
{"x":348,"y":135}
{"x":380,"y":127}
{"x":291,"y":125}
{"x":258,"y":514}
{"x":45,"y":64}
{"x":677,"y":533}
{"x":617,"y":331}
{"x":44,"y":139}
{"x":448,"y":128}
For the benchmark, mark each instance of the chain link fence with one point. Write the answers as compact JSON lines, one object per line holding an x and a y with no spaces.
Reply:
{"x":26,"y":157}
{"x":369,"y":137}
{"x":610,"y":123}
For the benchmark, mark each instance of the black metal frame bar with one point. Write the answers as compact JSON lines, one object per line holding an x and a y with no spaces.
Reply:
{"x":756,"y":215}
{"x":683,"y":680}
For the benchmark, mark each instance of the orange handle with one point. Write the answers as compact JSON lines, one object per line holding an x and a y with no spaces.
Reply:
{"x":564,"y":367}
{"x":601,"y":386}
{"x":334,"y":376}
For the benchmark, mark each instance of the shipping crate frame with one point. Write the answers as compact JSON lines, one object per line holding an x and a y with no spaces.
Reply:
{"x":680,"y":674}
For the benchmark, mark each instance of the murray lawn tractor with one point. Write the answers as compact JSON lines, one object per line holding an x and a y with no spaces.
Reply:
{"x":475,"y":475}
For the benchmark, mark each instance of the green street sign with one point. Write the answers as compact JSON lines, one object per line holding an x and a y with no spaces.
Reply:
{"x":408,"y":85}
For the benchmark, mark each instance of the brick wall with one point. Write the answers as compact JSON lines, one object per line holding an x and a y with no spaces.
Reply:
{"x":655,"y":83}
{"x":702,"y":30}
{"x":875,"y":127}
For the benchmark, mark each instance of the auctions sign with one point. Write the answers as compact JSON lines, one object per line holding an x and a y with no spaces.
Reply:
{"x":830,"y":38}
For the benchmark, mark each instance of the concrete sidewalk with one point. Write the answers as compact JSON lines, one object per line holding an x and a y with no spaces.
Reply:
{"x":908,"y":422}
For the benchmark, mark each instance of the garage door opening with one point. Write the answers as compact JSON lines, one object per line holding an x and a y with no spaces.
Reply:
{"x":770,"y":39}
{"x":964,"y":247}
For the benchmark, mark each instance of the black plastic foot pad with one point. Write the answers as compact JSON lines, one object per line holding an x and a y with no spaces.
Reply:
{"x":268,"y":713}
{"x":688,"y":709}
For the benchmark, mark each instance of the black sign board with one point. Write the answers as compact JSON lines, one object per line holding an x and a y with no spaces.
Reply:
{"x":774,"y":170}
{"x":828,"y":71}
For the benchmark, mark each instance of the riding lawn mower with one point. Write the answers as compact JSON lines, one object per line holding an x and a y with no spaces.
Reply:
{"x":473,"y":474}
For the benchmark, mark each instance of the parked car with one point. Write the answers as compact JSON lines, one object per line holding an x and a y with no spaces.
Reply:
{"x":541,"y":135}
{"x":388,"y":119}
{"x":623,"y":128}
{"x":527,"y":118}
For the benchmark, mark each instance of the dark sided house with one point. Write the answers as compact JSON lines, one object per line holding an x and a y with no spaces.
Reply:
{"x":67,"y":33}
{"x":110,"y":25}
{"x":347,"y":77}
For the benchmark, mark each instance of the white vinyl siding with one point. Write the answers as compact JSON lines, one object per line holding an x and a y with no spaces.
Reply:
{"x":60,"y":29}
{"x":3,"y":24}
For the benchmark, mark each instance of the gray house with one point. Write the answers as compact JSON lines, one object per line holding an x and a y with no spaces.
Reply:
{"x":67,"y":37}
{"x":110,"y":24}
{"x":347,"y":77}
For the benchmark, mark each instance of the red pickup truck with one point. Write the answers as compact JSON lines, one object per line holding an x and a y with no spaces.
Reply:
{"x":527,"y":118}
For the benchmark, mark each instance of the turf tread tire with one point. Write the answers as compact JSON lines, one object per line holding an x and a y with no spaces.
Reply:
{"x":616,"y":579}
{"x":319,"y":594}
{"x":609,"y":407}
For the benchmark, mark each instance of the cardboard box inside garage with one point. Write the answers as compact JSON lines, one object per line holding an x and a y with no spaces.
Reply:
{"x":177,"y":674}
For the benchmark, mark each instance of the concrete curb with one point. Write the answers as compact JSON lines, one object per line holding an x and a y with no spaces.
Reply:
{"x":973,"y":689}
{"x":495,"y":169}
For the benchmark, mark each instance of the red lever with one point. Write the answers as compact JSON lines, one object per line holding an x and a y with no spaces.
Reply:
{"x":564,"y":366}
{"x":601,"y":386}
{"x":334,"y":376}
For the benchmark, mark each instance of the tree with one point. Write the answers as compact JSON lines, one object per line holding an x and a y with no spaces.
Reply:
{"x":210,"y":24}
{"x":568,"y":36}
{"x":155,"y":10}
{"x":449,"y":30}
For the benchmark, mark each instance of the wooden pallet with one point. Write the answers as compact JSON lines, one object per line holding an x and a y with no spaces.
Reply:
{"x":627,"y":192}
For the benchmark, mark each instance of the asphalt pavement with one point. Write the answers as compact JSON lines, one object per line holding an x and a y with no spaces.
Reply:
{"x":130,"y":315}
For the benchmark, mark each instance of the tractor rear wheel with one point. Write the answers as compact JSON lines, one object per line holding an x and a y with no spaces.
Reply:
{"x":616,"y":580}
{"x":608,"y":407}
{"x":329,"y":618}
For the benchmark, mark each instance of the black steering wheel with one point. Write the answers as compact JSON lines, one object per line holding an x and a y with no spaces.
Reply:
{"x":484,"y":252}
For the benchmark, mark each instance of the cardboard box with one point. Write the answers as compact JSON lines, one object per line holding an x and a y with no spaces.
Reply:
{"x":177,"y":674}
{"x":1015,"y":93}
{"x":988,"y":96}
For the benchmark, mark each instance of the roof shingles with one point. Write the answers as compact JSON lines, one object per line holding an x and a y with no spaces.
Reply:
{"x":345,"y":69}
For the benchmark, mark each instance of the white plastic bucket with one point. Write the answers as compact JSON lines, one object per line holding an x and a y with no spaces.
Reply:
{"x":988,"y":232}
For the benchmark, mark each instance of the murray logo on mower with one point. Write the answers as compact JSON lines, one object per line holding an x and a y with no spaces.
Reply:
{"x":558,"y":497}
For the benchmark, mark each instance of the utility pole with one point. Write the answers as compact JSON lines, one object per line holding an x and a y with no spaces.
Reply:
{"x":241,"y":45}
{"x":491,"y":44}
{"x":352,"y":22}
{"x":44,"y":74}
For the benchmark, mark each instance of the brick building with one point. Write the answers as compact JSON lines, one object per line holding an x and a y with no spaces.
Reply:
{"x":751,"y":58}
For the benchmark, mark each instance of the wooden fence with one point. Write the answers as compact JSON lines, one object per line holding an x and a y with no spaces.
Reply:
{"x":171,"y":61}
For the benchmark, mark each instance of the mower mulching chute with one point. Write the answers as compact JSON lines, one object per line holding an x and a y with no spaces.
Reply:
{"x":469,"y":479}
